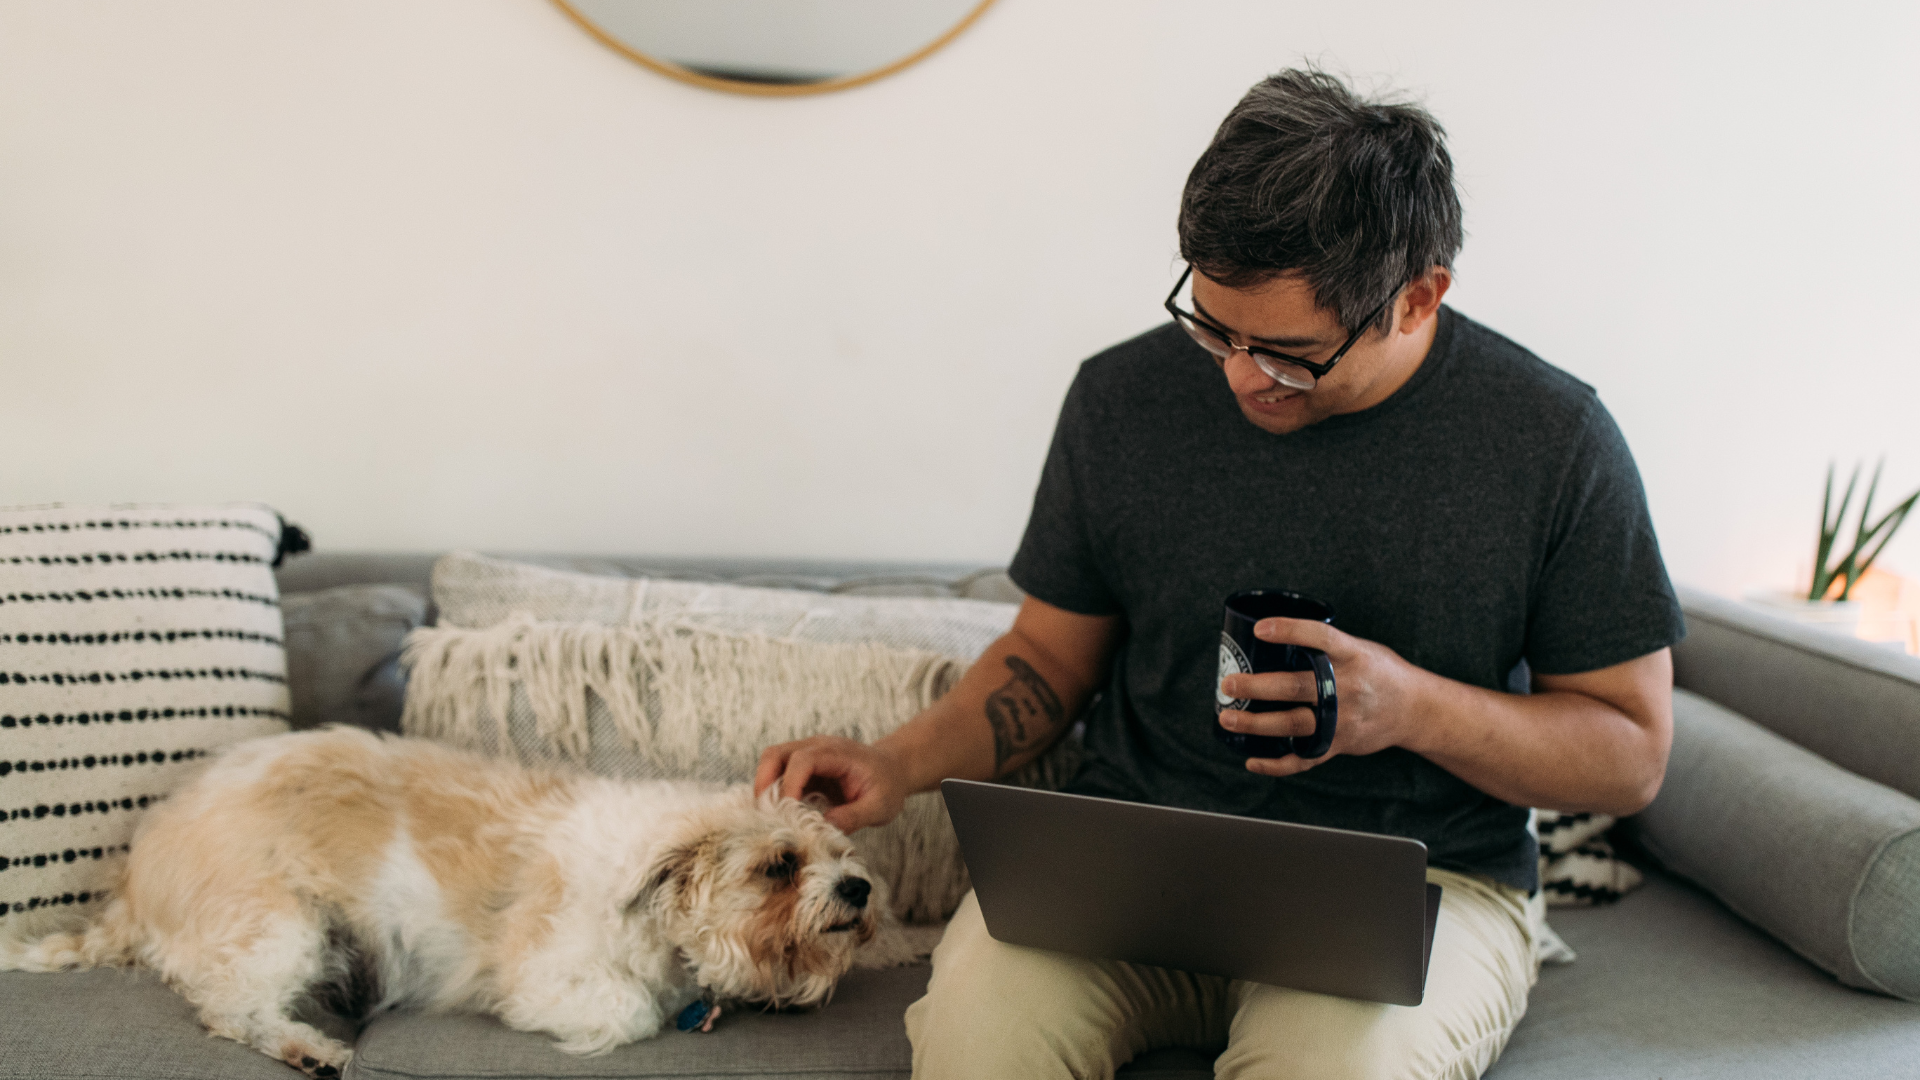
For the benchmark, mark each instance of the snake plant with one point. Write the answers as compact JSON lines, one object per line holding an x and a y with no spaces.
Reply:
{"x":1847,"y":569}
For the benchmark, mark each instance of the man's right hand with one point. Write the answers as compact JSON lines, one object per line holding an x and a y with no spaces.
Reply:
{"x":863,"y":784}
{"x":1016,"y":699}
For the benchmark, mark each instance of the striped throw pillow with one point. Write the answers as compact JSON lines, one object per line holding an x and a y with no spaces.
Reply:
{"x":1578,"y":867}
{"x":134,"y":641}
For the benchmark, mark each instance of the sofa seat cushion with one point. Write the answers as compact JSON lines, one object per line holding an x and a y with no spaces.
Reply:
{"x":1671,"y":984}
{"x":858,"y":1034}
{"x":126,"y":1025}
{"x":115,"y":1023}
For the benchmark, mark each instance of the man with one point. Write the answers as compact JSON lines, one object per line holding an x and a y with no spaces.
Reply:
{"x":1313,"y":419}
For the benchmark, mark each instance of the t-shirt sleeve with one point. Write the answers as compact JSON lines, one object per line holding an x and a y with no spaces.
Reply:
{"x":1603,"y":596}
{"x":1056,"y":562}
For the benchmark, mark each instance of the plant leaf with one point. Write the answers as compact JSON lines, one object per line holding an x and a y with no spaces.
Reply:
{"x":1851,"y":568}
{"x":1891,"y":523}
{"x":1899,"y":510}
{"x":1829,"y":533}
{"x":1866,"y":507}
{"x":1821,"y":579}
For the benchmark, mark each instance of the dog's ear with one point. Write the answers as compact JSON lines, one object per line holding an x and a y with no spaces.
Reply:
{"x":669,"y":868}
{"x":817,"y":801}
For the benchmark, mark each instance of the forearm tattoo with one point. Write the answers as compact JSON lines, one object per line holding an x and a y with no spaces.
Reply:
{"x":1025,"y":712}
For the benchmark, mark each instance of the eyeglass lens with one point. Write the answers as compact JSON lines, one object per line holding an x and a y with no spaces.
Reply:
{"x":1285,"y":374}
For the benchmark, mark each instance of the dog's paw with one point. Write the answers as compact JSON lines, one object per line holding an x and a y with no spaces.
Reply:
{"x":322,"y":1062}
{"x":55,"y":952}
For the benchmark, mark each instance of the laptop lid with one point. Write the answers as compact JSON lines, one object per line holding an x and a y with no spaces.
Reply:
{"x":1326,"y":910}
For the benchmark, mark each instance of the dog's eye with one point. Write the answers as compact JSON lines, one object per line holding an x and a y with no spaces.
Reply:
{"x":784,"y":866}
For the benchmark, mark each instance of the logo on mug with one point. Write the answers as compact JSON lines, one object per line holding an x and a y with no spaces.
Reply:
{"x":1232,"y":662}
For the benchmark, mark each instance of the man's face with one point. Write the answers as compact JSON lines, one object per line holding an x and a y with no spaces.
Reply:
{"x":1282,"y":315}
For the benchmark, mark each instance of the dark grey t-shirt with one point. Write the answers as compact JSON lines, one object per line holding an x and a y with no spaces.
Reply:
{"x":1486,"y":513}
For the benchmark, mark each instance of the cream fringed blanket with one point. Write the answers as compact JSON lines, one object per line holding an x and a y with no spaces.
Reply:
{"x":666,"y":699}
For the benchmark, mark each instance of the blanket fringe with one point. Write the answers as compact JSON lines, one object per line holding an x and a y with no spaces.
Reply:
{"x":664,"y":685}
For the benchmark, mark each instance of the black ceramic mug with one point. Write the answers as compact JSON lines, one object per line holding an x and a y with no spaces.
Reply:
{"x":1242,"y":653}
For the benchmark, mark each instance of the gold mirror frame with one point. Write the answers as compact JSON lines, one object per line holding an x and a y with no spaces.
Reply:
{"x":731,"y":86}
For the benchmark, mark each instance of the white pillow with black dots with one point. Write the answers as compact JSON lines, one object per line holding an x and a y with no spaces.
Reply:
{"x":135,"y":641}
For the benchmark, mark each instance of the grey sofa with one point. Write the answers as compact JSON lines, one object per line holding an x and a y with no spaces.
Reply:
{"x":1669,"y":982}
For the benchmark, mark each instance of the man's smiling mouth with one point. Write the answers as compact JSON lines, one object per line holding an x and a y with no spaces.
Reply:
{"x":1275,"y":399}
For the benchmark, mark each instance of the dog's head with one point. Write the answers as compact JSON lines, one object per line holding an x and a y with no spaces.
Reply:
{"x":764,"y":897}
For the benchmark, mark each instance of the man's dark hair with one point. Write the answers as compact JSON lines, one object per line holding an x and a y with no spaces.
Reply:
{"x":1303,"y":176}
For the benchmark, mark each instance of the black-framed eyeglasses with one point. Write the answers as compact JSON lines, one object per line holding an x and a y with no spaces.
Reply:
{"x":1293,"y":371}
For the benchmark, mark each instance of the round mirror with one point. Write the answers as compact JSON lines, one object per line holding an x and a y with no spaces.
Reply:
{"x":775,"y":46}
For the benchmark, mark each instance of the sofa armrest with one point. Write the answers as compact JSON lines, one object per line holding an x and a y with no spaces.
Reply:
{"x":1852,"y":702}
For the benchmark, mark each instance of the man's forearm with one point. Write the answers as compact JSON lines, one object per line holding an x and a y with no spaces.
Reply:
{"x":1011,"y":705}
{"x":1557,"y":748}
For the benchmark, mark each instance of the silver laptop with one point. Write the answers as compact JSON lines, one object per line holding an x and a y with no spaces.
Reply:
{"x":1326,"y":910}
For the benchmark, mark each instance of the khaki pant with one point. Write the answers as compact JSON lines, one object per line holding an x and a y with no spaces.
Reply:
{"x":1000,"y":1011}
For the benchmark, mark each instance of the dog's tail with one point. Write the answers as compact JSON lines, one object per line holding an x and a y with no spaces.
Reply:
{"x":109,"y":941}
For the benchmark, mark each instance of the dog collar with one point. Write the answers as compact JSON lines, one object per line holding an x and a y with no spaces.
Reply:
{"x":699,"y":1015}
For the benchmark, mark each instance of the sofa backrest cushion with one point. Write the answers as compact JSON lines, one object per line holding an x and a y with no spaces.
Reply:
{"x":329,"y":569}
{"x":1854,"y":703}
{"x":1826,"y":861}
{"x":476,"y":591}
{"x":343,"y":653}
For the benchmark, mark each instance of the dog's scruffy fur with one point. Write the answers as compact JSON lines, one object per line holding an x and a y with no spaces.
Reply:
{"x":382,"y":872}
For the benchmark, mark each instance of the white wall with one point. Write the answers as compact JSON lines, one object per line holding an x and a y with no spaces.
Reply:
{"x":428,"y":274}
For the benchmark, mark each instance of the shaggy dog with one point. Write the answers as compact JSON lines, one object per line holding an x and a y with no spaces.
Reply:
{"x":373,"y":873}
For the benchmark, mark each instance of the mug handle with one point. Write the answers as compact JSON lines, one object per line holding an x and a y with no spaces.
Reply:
{"x":1326,"y":708}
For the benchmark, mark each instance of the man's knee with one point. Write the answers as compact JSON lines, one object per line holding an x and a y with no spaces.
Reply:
{"x":1475,"y":996}
{"x":1280,"y":1034}
{"x":993,"y":1009}
{"x":1344,"y":1054}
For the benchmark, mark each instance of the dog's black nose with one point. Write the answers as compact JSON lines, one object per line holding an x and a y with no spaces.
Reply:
{"x":854,"y":890}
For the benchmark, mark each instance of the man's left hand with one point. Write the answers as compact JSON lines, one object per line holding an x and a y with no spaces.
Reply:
{"x":1376,"y":690}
